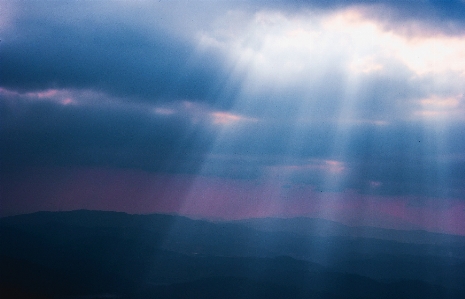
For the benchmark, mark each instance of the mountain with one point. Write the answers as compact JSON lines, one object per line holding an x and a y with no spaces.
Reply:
{"x":95,"y":254}
{"x":322,"y":227}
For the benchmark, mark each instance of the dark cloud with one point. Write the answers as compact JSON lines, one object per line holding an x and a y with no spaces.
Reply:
{"x":45,"y":133}
{"x":432,"y":10}
{"x":85,"y":49}
{"x":438,"y":16}
{"x":402,"y":158}
{"x":297,"y":127}
{"x":117,"y":58}
{"x":81,"y":48}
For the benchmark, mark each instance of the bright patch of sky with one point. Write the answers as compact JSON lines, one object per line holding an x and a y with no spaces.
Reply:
{"x":274,"y":51}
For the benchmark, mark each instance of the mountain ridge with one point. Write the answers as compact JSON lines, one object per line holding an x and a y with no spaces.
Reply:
{"x":107,"y":252}
{"x":304,"y":226}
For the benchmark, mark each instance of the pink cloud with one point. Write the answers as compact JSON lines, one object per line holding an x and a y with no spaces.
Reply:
{"x":44,"y":94}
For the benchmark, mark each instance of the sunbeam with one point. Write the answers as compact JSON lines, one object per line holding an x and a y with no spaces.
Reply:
{"x":233,"y":149}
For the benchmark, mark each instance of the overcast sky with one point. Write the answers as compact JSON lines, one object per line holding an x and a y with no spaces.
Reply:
{"x":346,"y":110}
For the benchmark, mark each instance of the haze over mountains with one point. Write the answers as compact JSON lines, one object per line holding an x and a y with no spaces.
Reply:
{"x":95,"y":254}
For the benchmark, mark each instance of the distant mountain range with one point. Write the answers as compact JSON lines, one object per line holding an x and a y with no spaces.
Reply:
{"x":322,"y":227}
{"x":96,"y":254}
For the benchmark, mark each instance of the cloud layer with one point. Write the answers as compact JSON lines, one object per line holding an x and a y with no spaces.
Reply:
{"x":360,"y":96}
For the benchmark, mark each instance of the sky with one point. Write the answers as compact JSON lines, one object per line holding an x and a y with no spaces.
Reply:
{"x":352,"y":111}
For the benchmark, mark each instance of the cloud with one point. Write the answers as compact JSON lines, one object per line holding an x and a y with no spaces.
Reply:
{"x":335,"y":94}
{"x":45,"y":133}
{"x":40,"y":130}
{"x":308,"y":63}
{"x":75,"y":51}
{"x":294,"y":59}
{"x":440,"y":109}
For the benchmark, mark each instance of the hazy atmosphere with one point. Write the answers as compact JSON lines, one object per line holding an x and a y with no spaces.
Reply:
{"x":351,"y":111}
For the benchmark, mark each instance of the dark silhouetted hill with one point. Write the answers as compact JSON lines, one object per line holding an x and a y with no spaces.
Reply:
{"x":93,"y":254}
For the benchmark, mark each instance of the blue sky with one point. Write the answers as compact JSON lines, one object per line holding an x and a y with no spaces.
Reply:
{"x":347,"y":101}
